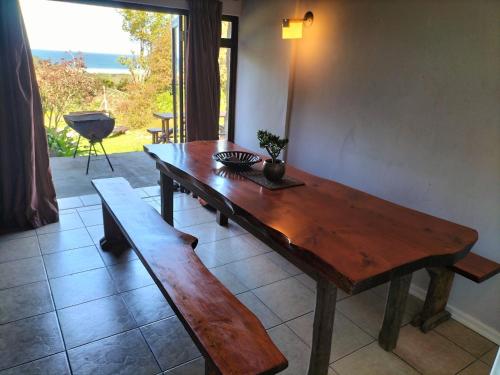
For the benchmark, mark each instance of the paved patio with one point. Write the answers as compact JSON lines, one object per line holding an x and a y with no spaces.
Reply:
{"x":68,"y":307}
{"x":70,"y":179}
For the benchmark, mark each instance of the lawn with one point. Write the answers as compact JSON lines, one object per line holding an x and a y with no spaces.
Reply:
{"x":132,"y":140}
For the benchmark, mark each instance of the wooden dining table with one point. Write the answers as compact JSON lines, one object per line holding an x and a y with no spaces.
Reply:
{"x":340,"y":236}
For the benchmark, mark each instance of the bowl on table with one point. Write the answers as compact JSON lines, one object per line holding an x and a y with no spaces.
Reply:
{"x":238,"y":160}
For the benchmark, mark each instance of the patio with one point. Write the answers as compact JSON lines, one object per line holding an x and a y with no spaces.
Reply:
{"x":70,"y":179}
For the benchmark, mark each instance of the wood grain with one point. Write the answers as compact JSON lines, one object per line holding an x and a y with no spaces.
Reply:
{"x":224,"y":330}
{"x":350,"y":237}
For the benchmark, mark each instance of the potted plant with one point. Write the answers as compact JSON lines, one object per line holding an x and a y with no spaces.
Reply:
{"x":274,"y":168}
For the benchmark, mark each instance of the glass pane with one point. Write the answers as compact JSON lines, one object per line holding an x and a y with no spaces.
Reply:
{"x":224,"y":67}
{"x":226,"y":30}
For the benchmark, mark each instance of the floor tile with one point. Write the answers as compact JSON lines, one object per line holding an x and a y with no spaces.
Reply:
{"x":255,"y":305}
{"x":366,"y":310}
{"x":194,"y":216}
{"x":195,"y":367}
{"x":81,"y":287}
{"x":476,"y":368}
{"x":130,"y":275}
{"x":281,"y":262}
{"x":29,"y":339}
{"x":25,"y":301}
{"x":141,"y":192}
{"x":20,"y":272}
{"x":19,"y":248}
{"x":210,"y":232}
{"x":91,"y":217}
{"x":256,"y":271}
{"x":372,"y":360}
{"x":94,"y":320}
{"x":288,"y":298}
{"x":65,"y":240}
{"x":185,"y":202}
{"x":90,"y":199}
{"x":296,"y":352}
{"x":89,"y":208}
{"x":123,"y":354}
{"x":229,"y":280}
{"x":96,"y":233}
{"x":228,"y":250}
{"x":347,"y":337}
{"x":431,"y":353}
{"x":464,"y":337}
{"x":170,"y":342}
{"x":66,"y":222}
{"x":71,"y":202}
{"x":152,"y":191}
{"x":72,"y":261}
{"x":16,"y":235}
{"x":489,"y":358}
{"x":56,"y":364}
{"x":147,"y":305}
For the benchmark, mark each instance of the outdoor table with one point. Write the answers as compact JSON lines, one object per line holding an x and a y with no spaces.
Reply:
{"x":340,"y":236}
{"x":165,"y":124}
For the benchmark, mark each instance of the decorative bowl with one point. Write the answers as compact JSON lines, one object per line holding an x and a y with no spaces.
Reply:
{"x":236,"y":159}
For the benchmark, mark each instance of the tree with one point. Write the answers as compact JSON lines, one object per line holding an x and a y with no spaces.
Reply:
{"x":63,"y":86}
{"x":151,"y":68}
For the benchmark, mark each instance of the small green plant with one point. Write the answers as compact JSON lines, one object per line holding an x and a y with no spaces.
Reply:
{"x":272,"y":143}
{"x":59,"y":142}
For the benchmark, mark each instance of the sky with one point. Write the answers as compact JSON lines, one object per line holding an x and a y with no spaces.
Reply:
{"x":53,"y":25}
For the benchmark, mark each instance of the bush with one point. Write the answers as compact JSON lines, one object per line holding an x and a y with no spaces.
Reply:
{"x":59,"y":142}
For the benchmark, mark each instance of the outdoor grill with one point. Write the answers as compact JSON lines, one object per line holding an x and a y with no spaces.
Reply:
{"x":94,"y":126}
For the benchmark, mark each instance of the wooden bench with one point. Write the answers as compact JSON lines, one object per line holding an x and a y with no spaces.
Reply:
{"x":230,"y":337}
{"x":474,"y":267}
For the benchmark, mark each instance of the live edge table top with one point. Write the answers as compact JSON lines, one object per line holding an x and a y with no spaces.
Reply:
{"x":350,"y":237}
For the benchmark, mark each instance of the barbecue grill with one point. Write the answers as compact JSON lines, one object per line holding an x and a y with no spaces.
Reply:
{"x":94,"y":126}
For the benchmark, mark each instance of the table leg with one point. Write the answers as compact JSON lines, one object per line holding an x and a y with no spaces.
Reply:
{"x":434,"y":311}
{"x":324,"y":316}
{"x":394,"y":311}
{"x":222,"y":219}
{"x":167,"y":198}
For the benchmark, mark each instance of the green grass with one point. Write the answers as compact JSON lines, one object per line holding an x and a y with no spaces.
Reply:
{"x":132,"y":140}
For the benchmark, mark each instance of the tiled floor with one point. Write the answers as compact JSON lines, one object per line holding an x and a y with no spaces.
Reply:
{"x":68,"y":307}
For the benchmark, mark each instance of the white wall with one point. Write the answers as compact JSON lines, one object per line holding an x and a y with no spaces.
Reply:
{"x":400,"y":99}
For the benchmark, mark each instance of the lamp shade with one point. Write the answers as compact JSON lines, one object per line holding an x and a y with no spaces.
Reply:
{"x":292,"y":29}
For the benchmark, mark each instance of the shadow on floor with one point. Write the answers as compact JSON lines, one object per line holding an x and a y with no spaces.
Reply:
{"x":70,"y":179}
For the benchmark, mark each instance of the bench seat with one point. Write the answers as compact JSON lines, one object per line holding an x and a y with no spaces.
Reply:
{"x":476,"y":268}
{"x":231,"y":338}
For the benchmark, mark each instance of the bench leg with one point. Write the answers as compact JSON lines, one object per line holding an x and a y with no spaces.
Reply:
{"x":324,"y":316}
{"x":434,"y":311}
{"x":113,"y":239}
{"x":222,"y":219}
{"x":167,"y":198}
{"x":210,"y":368}
{"x":394,"y":311}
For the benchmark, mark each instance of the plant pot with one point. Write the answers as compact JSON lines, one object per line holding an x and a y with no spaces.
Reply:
{"x":274,"y":171}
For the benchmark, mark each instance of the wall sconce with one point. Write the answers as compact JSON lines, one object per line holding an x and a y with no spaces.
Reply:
{"x":292,"y":28}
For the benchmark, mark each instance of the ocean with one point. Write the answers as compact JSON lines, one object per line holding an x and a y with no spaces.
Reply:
{"x":95,"y":62}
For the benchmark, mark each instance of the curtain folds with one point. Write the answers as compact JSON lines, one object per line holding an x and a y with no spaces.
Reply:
{"x":27,"y":195}
{"x":202,"y":70}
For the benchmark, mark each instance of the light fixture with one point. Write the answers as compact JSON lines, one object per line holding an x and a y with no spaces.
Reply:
{"x":291,"y":28}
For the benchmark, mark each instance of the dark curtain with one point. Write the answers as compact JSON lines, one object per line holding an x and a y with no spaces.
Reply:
{"x":27,"y":195}
{"x":202,"y":70}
